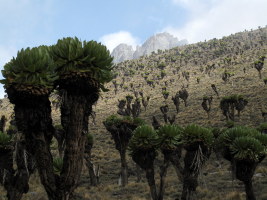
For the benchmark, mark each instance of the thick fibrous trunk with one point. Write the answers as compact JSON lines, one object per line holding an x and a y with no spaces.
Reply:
{"x":151,"y":183}
{"x":244,"y":172}
{"x":80,"y":93}
{"x":163,"y":173}
{"x":174,"y":158}
{"x":190,"y":176}
{"x":76,"y":130}
{"x":92,"y":172}
{"x":121,"y":134}
{"x":249,"y":190}
{"x":16,"y":184}
{"x":33,"y":118}
{"x":124,"y":169}
{"x":196,"y":154}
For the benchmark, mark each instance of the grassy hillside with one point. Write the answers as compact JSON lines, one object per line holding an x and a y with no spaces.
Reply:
{"x":192,"y":67}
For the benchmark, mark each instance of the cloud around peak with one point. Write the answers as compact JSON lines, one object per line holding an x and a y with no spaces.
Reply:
{"x":114,"y":39}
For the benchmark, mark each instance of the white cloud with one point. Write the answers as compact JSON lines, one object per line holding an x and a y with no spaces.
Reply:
{"x":213,"y":18}
{"x":114,"y":39}
{"x":20,"y":20}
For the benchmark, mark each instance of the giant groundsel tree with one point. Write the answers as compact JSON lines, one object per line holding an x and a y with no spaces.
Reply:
{"x":245,"y":148}
{"x":28,"y":80}
{"x":79,"y":70}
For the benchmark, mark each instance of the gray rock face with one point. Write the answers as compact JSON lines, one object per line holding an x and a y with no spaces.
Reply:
{"x":122,"y":52}
{"x":160,"y":41}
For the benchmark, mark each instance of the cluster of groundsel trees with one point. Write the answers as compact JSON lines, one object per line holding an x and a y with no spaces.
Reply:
{"x":79,"y":71}
{"x":244,"y":147}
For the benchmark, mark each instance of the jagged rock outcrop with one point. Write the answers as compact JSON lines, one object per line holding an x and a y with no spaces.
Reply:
{"x":160,"y":41}
{"x":122,"y":52}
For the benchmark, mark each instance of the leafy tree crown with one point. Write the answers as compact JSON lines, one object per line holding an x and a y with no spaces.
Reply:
{"x":32,"y":66}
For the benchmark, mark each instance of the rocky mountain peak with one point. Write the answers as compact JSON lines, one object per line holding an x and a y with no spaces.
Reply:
{"x":160,"y":41}
{"x":122,"y":52}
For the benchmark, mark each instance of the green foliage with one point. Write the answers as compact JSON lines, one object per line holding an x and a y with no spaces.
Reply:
{"x":11,"y":130}
{"x":72,"y":55}
{"x":169,"y":136}
{"x":262,"y":127}
{"x":129,"y":96}
{"x":138,"y":121}
{"x":247,"y":148}
{"x":57,"y":165}
{"x":194,"y":133}
{"x":58,"y":126}
{"x":259,"y":62}
{"x":231,"y":134}
{"x":90,"y":138}
{"x":30,"y":67}
{"x":230,"y":124}
{"x":144,"y":138}
{"x":235,"y":100}
{"x":217,"y":132}
{"x":229,"y":73}
{"x":243,"y":143}
{"x":114,"y":120}
{"x":162,"y":66}
{"x":4,"y":138}
{"x":165,"y":92}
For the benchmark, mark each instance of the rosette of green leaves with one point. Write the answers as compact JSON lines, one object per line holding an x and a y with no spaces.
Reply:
{"x":57,"y":165}
{"x":72,"y":55}
{"x":169,"y":137}
{"x":247,"y":148}
{"x":32,"y":67}
{"x":226,"y":139}
{"x":112,"y":120}
{"x":243,"y":143}
{"x":262,"y":127}
{"x":144,"y":138}
{"x":5,"y":139}
{"x":194,"y":134}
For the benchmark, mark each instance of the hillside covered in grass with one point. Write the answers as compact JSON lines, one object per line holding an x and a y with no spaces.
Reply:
{"x":218,"y":68}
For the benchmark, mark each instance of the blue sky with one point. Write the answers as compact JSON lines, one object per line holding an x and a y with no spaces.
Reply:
{"x":29,"y":23}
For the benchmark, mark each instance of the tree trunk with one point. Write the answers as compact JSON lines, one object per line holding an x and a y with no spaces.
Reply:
{"x":124,"y":169}
{"x":249,"y":190}
{"x":259,"y":73}
{"x":138,"y":173}
{"x":33,"y":119}
{"x":90,"y":166}
{"x":78,"y":111}
{"x":190,"y":182}
{"x":244,"y":172}
{"x":151,"y":183}
{"x":163,"y":173}
{"x":16,"y":185}
{"x":232,"y":112}
{"x":175,"y":160}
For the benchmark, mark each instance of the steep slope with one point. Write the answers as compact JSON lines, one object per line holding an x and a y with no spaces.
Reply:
{"x":194,"y":67}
